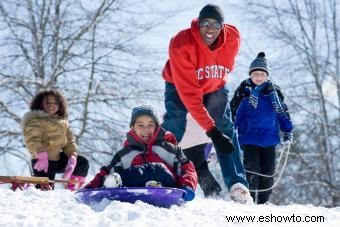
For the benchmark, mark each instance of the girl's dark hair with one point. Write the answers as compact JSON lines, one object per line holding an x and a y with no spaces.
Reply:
{"x":37,"y":102}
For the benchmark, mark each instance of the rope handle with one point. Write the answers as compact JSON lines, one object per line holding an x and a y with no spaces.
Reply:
{"x":286,"y":149}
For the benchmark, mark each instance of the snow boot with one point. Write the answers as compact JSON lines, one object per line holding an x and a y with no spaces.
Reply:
{"x":208,"y":183}
{"x":240,"y":194}
{"x":112,"y":180}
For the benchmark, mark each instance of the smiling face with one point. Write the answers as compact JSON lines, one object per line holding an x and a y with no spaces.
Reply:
{"x":209,"y":30}
{"x":144,"y":127}
{"x":51,"y":105}
{"x":258,"y":77}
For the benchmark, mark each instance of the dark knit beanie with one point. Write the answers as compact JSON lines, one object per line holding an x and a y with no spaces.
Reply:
{"x":143,"y":111}
{"x":211,"y":11}
{"x":260,"y":63}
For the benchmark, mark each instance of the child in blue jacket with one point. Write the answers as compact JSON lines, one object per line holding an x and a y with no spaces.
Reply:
{"x":260,"y":113}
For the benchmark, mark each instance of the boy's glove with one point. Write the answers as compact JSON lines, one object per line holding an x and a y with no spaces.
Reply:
{"x":98,"y":180}
{"x":288,"y":137}
{"x":189,"y":193}
{"x":42,"y":163}
{"x":71,"y":164}
{"x":221,"y":142}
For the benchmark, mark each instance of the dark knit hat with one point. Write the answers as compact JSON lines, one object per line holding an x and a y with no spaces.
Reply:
{"x":211,"y":11}
{"x":260,"y":63}
{"x":141,"y":111}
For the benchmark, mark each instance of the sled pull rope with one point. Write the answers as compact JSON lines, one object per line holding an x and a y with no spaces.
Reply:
{"x":283,"y":150}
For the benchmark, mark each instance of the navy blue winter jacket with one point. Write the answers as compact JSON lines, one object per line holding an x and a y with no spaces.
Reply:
{"x":259,"y":126}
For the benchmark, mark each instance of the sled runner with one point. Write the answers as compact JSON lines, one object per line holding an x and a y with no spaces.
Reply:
{"x":157,"y":196}
{"x":21,"y":181}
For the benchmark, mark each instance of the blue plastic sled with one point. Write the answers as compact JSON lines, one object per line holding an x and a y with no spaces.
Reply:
{"x":161,"y":197}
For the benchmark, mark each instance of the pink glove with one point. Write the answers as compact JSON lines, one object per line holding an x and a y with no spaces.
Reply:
{"x":42,"y":163}
{"x":72,"y":162}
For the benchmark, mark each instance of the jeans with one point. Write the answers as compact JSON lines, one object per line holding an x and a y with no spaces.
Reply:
{"x":217,"y":105}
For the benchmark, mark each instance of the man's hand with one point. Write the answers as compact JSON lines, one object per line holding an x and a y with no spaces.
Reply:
{"x":222,"y":143}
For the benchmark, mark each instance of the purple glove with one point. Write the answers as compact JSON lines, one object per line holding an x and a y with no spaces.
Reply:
{"x":42,"y":163}
{"x":71,"y":164}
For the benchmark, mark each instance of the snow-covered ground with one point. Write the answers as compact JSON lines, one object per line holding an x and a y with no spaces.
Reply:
{"x":60,"y":208}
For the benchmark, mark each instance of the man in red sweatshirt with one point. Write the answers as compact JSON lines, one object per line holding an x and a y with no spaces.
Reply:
{"x":200,"y":60}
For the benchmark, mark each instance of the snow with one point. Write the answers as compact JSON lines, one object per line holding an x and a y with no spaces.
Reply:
{"x":34,"y":208}
{"x":60,"y":208}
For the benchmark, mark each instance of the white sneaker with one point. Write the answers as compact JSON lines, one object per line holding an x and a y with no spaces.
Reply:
{"x":112,"y":180}
{"x":240,"y":194}
{"x":152,"y":183}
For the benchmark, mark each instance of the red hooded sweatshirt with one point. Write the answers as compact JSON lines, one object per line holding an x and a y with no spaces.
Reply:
{"x":196,"y":70}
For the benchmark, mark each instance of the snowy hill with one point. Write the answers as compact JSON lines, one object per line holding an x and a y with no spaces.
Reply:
{"x":60,"y":208}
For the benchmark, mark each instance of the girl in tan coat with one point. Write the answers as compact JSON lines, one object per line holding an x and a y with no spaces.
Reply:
{"x":50,"y":141}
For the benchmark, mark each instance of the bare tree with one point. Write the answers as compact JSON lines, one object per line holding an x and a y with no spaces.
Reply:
{"x":87,"y":49}
{"x":308,"y":32}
